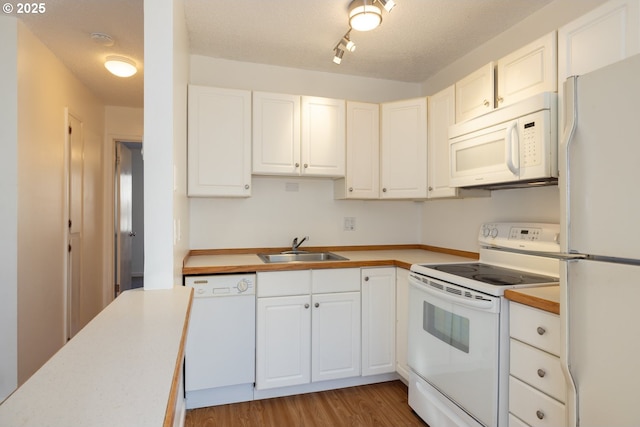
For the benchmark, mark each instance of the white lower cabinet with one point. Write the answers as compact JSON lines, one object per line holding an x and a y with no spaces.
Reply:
{"x":537,"y":390}
{"x":378,"y":320}
{"x":308,"y":326}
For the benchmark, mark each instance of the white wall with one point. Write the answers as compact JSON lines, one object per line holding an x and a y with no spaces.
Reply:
{"x":9,"y":206}
{"x":273,"y":216}
{"x":165,"y":83}
{"x":42,"y":100}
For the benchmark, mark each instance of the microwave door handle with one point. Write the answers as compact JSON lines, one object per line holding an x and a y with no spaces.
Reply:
{"x":510,"y":142}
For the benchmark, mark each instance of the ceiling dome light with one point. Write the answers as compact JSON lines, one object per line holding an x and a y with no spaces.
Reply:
{"x":120,"y":66}
{"x":364,"y":15}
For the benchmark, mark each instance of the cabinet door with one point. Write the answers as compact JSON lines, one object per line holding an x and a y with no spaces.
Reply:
{"x":219,"y":142}
{"x":605,"y":35}
{"x":378,"y":320}
{"x":442,"y":114}
{"x":283,"y":341}
{"x":335,"y":334}
{"x":276,"y":134}
{"x":404,"y":149}
{"x":402,"y":322}
{"x":528,"y":71}
{"x":474,"y":94}
{"x":363,"y":152}
{"x":323,"y":136}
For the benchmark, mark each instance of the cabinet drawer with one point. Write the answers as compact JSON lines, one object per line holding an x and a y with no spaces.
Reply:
{"x":538,"y":369}
{"x":534,"y":407}
{"x":283,"y":283}
{"x":516,"y":422}
{"x":535,"y":327}
{"x":332,"y":280}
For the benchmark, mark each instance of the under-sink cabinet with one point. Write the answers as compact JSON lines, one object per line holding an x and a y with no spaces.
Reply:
{"x":307,"y":326}
{"x":537,"y":391}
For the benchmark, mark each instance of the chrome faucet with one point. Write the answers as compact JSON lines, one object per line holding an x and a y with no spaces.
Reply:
{"x":295,"y":244}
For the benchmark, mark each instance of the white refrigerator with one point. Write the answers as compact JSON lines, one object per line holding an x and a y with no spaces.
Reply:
{"x":599,"y":160}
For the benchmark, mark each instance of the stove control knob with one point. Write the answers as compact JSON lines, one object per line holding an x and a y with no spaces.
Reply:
{"x":243,"y":285}
{"x":485,"y":232}
{"x":494,"y":232}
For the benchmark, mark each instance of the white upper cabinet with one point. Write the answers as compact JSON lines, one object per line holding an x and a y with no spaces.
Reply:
{"x":276,"y":134}
{"x":474,"y":93}
{"x":323,"y":136}
{"x":404,"y":149}
{"x":219,"y":142}
{"x":603,"y":36}
{"x":528,"y":71}
{"x":441,"y":115}
{"x":362,"y":177}
{"x":295,"y":135}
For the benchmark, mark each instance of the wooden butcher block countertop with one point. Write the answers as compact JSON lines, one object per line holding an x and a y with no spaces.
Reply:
{"x":545,"y":298}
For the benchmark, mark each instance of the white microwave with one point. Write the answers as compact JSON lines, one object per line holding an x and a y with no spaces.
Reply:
{"x":514,"y":146}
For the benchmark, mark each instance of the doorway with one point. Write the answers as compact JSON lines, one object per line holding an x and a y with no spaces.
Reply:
{"x":129,"y":216}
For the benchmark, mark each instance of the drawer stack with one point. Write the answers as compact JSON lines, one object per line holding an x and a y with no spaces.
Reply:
{"x":537,"y":390}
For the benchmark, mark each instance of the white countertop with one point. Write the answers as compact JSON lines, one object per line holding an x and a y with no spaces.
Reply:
{"x":117,"y":371}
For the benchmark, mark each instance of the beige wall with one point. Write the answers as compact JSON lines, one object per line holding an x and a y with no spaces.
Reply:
{"x":9,"y":206}
{"x":45,"y":89}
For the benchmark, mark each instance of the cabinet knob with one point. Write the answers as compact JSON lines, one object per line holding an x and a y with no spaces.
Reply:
{"x":366,"y":279}
{"x":306,"y":306}
{"x":246,"y":186}
{"x":539,"y":414}
{"x":384,"y":190}
{"x":541,"y":373}
{"x":499,"y":99}
{"x":350,"y":189}
{"x":316,"y":305}
{"x":430,"y":188}
{"x":297,"y":165}
{"x":486,"y":103}
{"x":541,"y":330}
{"x":306,"y":165}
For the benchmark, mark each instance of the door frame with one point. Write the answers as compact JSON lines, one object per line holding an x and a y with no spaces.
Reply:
{"x":112,"y":139}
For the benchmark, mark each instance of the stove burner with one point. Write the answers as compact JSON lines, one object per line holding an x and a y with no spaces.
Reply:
{"x":498,"y":279}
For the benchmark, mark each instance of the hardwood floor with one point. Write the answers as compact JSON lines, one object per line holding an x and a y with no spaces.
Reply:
{"x":383,"y":404}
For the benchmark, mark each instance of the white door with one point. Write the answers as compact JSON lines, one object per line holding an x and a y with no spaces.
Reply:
{"x":363,"y":151}
{"x":378,"y":320}
{"x":283,"y":341}
{"x":124,"y":218}
{"x":453,"y":345}
{"x":335,"y":336}
{"x":474,"y":93}
{"x":323,"y":136}
{"x":74,"y":237}
{"x":403,"y":165}
{"x":276,"y":134}
{"x":442,"y":114}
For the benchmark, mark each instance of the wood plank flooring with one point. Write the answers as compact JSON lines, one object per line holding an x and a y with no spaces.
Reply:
{"x":383,"y":404}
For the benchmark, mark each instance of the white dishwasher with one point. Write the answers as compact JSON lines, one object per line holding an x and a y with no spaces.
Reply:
{"x":220,"y":350}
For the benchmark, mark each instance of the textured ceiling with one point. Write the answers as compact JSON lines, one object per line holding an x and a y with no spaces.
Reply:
{"x":415,"y":40}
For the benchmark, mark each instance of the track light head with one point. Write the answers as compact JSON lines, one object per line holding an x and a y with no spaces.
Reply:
{"x":337,"y":58}
{"x":347,"y":43}
{"x":387,"y":4}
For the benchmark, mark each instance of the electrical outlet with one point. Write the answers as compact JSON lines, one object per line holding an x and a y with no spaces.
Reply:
{"x":349,"y":223}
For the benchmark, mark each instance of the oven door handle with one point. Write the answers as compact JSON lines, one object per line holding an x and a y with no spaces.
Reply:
{"x":473,"y":303}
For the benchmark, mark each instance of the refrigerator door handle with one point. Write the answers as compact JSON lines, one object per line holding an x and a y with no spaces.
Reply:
{"x":570,"y":124}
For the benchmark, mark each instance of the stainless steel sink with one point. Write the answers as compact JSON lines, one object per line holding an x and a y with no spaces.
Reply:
{"x":301,"y":257}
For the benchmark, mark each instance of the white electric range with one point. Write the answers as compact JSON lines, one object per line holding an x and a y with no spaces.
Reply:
{"x":459,"y":324}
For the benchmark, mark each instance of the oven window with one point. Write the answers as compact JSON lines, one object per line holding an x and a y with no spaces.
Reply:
{"x":446,"y":326}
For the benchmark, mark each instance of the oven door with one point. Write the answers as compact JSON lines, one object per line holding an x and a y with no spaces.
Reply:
{"x":454,"y":344}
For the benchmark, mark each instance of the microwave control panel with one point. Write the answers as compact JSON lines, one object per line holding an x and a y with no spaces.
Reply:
{"x":530,"y":155}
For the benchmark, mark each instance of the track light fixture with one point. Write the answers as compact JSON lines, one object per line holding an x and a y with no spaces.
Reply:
{"x":364,"y":15}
